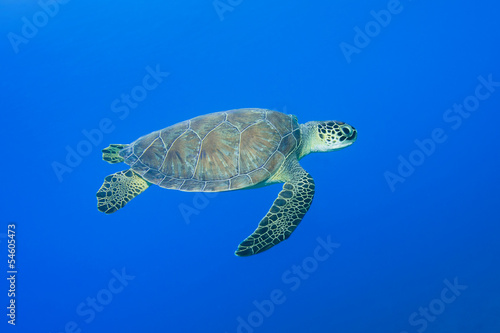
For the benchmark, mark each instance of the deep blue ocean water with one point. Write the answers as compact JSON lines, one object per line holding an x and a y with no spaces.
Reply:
{"x":403,"y":233}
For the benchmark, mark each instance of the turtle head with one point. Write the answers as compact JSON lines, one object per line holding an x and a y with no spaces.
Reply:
{"x":325,"y":136}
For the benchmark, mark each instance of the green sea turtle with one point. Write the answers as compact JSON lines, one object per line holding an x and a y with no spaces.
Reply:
{"x":225,"y":151}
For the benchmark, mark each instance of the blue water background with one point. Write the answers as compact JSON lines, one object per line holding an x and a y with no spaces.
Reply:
{"x":398,"y":246}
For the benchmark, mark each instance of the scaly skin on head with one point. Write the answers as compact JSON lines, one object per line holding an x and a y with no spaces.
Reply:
{"x":325,"y":136}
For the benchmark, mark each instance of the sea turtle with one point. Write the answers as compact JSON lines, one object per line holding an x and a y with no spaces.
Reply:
{"x":225,"y":151}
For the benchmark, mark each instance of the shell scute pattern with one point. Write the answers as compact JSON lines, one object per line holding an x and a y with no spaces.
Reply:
{"x":202,"y":125}
{"x":179,"y":161}
{"x":216,"y":152}
{"x":218,"y":159}
{"x":284,"y":126}
{"x":258,"y":141}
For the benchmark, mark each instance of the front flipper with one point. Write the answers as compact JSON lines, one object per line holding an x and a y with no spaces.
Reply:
{"x":287,"y":211}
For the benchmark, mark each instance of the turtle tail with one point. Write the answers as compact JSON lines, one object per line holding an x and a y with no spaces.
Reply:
{"x":111,"y":154}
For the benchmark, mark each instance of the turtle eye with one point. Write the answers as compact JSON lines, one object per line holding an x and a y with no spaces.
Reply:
{"x":346,"y":130}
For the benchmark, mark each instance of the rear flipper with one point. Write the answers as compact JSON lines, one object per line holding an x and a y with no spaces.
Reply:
{"x":111,"y":154}
{"x":287,"y":211}
{"x":118,"y":189}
